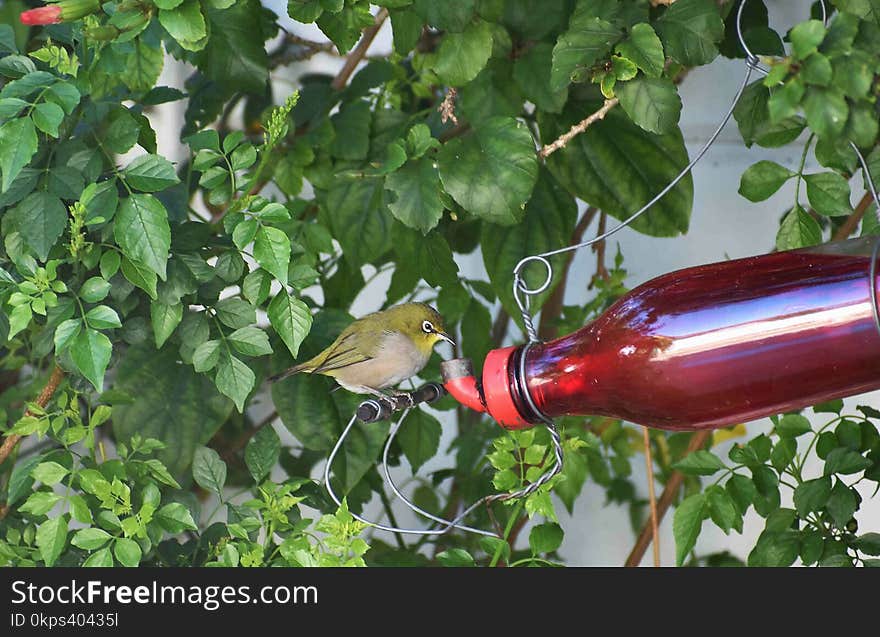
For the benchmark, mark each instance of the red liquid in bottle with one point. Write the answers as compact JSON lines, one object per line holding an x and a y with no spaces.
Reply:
{"x":720,"y":344}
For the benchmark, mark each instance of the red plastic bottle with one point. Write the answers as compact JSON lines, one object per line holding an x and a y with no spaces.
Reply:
{"x":704,"y":347}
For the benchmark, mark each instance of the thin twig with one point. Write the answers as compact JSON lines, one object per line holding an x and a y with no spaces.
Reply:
{"x":666,"y":498}
{"x":357,"y":53}
{"x":499,"y":327}
{"x":652,"y":498}
{"x":578,"y":128}
{"x":553,"y":306}
{"x":42,"y":400}
{"x":852,"y":222}
{"x":599,"y":249}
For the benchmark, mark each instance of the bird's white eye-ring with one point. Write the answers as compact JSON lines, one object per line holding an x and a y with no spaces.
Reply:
{"x":427,"y":327}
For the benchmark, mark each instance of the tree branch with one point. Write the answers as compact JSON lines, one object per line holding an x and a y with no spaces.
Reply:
{"x":578,"y":128}
{"x":553,"y":305}
{"x":42,"y":400}
{"x":357,"y":53}
{"x":666,"y":498}
{"x":852,"y":222}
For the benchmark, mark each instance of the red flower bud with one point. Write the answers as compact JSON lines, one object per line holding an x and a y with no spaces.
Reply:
{"x":60,"y":11}
{"x":42,"y":15}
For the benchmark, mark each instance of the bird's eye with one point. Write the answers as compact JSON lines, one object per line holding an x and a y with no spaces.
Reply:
{"x":427,"y":327}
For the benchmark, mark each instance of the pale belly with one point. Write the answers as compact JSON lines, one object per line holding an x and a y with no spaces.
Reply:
{"x":397,"y":360}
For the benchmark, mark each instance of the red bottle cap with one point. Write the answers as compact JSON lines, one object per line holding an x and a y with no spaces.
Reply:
{"x":497,"y":381}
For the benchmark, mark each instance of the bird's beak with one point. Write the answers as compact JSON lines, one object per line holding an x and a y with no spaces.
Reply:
{"x":445,"y":337}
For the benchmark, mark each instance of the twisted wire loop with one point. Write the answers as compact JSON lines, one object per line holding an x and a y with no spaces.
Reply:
{"x":522,"y":294}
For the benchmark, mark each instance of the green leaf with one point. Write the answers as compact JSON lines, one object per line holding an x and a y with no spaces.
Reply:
{"x":164,"y":319}
{"x":428,"y":257}
{"x":826,"y":110}
{"x":49,"y":473}
{"x":722,"y":509}
{"x":171,"y":403}
{"x":762,"y":179}
{"x":868,"y":543}
{"x":845,"y":461}
{"x":806,"y":37}
{"x":545,"y":538}
{"x":234,"y":379}
{"x":812,"y":495}
{"x":419,"y":438}
{"x":755,"y":125}
{"x":235,"y":312}
{"x":416,"y":186}
{"x":643,"y":48}
{"x":139,"y":275}
{"x":122,"y":132}
{"x":828,"y":193}
{"x":143,"y":65}
{"x":816,"y":69}
{"x":461,"y":56}
{"x":174,"y":517}
{"x":743,"y":492}
{"x":40,"y":503}
{"x":95,"y":289}
{"x":102,"y":317}
{"x":291,"y":319}
{"x":48,"y":117}
{"x":65,"y":94}
{"x":18,"y":143}
{"x":90,"y":352}
{"x":783,"y":453}
{"x":699,"y":463}
{"x":352,"y":126}
{"x":127,"y":551}
{"x":102,"y":558}
{"x":250,"y":341}
{"x":359,"y":218}
{"x":206,"y":355}
{"x":20,"y":480}
{"x":531,"y":71}
{"x":449,"y":16}
{"x":690,"y":30}
{"x":272,"y":252}
{"x":262,"y":453}
{"x":798,"y":230}
{"x":40,"y":219}
{"x":150,"y":173}
{"x":90,"y":539}
{"x":186,"y":24}
{"x":101,"y":200}
{"x":51,"y":537}
{"x":492,"y":172}
{"x":79,"y":509}
{"x":652,"y":103}
{"x":588,"y":39}
{"x":455,"y":557}
{"x":142,"y":232}
{"x":618,"y":167}
{"x":235,"y":56}
{"x":344,"y":27}
{"x":208,"y":470}
{"x":842,"y":504}
{"x":775,"y":548}
{"x":549,"y":220}
{"x":687,"y":523}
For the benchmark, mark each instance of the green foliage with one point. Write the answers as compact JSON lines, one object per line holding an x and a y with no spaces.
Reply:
{"x":168,"y":292}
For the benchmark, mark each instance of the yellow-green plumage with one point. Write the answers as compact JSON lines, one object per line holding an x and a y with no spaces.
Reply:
{"x":379,"y":350}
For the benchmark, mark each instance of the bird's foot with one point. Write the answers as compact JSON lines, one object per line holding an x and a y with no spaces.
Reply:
{"x":403,"y":399}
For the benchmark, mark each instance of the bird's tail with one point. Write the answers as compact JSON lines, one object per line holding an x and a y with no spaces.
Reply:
{"x":290,"y":371}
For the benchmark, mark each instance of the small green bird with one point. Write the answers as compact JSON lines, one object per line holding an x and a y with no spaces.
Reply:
{"x":379,"y":350}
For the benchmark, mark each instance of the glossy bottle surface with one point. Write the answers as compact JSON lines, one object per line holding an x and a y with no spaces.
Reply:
{"x":720,"y":344}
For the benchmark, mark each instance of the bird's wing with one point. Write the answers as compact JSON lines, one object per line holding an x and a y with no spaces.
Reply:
{"x":341,"y":354}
